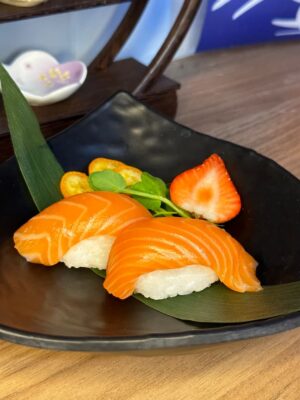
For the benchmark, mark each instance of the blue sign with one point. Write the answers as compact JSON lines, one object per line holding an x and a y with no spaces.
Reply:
{"x":237,"y":22}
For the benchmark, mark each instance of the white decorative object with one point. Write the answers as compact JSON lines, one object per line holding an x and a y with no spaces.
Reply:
{"x":43,"y":80}
{"x":23,"y":3}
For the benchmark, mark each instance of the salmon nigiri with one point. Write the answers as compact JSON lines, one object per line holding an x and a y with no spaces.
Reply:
{"x":164,"y":257}
{"x":79,"y":230}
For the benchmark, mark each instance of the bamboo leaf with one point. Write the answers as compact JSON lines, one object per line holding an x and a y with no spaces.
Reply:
{"x":39,"y":167}
{"x":99,"y":272}
{"x":217,"y":304}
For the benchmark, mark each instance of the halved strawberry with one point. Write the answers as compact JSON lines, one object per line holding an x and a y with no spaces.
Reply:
{"x":207,"y":191}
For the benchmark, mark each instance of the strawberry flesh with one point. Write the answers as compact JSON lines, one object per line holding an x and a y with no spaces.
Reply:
{"x":207,"y":191}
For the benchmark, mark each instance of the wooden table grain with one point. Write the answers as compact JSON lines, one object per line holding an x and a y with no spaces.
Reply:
{"x":250,"y":96}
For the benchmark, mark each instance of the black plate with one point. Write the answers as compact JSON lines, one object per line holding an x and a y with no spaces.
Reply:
{"x":68,"y":309}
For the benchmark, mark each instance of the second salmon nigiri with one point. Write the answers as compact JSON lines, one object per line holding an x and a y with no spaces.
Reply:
{"x":78,"y":230}
{"x":164,"y":257}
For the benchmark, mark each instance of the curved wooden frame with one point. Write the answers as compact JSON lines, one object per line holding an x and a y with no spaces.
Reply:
{"x":170,"y":45}
{"x":120,"y":36}
{"x":166,"y":51}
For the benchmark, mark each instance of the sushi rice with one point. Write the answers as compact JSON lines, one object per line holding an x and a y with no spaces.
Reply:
{"x":161,"y":284}
{"x":90,"y":253}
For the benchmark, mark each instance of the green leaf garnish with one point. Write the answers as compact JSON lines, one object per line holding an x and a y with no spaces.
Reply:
{"x":150,"y":191}
{"x":154,"y":184}
{"x":218,"y":304}
{"x":151,"y":185}
{"x":163,"y":187}
{"x":164,"y":213}
{"x":39,"y":167}
{"x":108,"y":180}
{"x":150,"y":204}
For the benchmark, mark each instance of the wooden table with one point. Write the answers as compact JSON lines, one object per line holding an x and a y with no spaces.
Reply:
{"x":250,"y":96}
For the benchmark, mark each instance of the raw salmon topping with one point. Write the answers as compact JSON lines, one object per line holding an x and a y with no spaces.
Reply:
{"x":172,"y":242}
{"x":45,"y":238}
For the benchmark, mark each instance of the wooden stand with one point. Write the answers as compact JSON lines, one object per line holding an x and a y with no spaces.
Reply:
{"x":106,"y":77}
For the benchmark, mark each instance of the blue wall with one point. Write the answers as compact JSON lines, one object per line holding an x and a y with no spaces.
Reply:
{"x":239,"y":22}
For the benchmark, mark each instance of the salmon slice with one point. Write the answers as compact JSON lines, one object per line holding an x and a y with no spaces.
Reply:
{"x":172,"y":242}
{"x":45,"y":238}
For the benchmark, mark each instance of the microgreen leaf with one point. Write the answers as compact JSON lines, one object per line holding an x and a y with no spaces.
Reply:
{"x":151,"y":185}
{"x":164,"y":213}
{"x":107,"y":180}
{"x":162,"y":186}
{"x":150,"y":204}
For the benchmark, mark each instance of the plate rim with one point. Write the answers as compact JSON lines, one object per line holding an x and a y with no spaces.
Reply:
{"x":188,"y":338}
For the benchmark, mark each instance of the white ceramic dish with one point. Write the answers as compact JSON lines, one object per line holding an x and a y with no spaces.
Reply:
{"x":43,"y":80}
{"x":23,"y":3}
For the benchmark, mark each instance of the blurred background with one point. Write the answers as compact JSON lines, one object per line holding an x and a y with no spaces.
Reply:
{"x":219,"y":24}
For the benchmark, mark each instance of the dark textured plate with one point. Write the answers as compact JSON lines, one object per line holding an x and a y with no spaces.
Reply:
{"x":68,"y":309}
